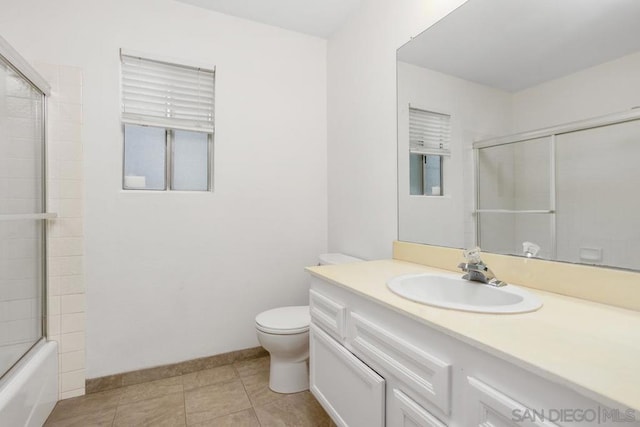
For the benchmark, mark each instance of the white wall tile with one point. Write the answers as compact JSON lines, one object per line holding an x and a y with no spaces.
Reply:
{"x":72,"y":361}
{"x":70,"y":112}
{"x":65,"y":169}
{"x":65,"y":266}
{"x":72,"y":304}
{"x":72,"y":393}
{"x":53,"y":325}
{"x":65,"y":131}
{"x":74,"y":322}
{"x":68,"y":246}
{"x":66,"y":285}
{"x":66,"y":208}
{"x":73,"y":341}
{"x":72,"y":380}
{"x":65,"y":150}
{"x":71,"y":189}
{"x":66,"y":227}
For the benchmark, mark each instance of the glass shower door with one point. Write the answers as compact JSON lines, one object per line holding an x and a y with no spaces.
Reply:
{"x":22,"y":215}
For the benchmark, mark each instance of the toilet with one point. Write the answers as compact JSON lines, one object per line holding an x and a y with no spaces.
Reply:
{"x":284,"y":333}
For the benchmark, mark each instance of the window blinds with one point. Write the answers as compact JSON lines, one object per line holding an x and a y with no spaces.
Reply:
{"x":429,"y":132}
{"x":156,"y":93}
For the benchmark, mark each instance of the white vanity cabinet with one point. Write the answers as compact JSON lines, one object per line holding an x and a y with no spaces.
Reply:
{"x":350,"y":391}
{"x":365,"y":375}
{"x":374,"y":366}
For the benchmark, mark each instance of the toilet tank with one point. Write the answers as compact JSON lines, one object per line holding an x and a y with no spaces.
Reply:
{"x":336,"y":258}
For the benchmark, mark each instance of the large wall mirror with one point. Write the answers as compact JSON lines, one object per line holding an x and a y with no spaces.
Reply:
{"x":519,"y":130}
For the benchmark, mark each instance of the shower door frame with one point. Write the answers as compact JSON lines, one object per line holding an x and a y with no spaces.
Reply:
{"x":551,"y":133}
{"x":22,"y":68}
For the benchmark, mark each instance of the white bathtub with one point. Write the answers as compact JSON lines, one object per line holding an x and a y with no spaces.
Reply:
{"x":29,"y":391}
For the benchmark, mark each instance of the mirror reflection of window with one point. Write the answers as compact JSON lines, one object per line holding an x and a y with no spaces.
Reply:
{"x":425,"y":175}
{"x":429,"y":137}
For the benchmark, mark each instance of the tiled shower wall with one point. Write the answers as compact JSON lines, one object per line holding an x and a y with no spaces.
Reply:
{"x":66,"y":292}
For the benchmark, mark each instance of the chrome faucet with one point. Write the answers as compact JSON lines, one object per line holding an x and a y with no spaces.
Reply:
{"x":477,"y":270}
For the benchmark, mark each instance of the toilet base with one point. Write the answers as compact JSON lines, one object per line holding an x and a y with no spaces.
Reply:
{"x":289,"y":377}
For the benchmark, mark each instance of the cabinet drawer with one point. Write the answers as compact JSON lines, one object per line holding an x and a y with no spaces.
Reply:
{"x":351,"y":392}
{"x":490,"y":407}
{"x":427,"y":378}
{"x":328,"y":314}
{"x":408,"y":413}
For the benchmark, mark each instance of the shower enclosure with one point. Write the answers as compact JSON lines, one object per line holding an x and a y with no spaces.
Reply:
{"x":28,"y":364}
{"x":22,"y":215}
{"x":561,"y":188}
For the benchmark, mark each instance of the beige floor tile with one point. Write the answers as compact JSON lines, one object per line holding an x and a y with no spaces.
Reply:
{"x":103,"y":418}
{"x":158,"y":411}
{"x":257,"y":387}
{"x":295,"y":410}
{"x":232,"y":395}
{"x":208,"y":377}
{"x":143,"y":391}
{"x":246,"y":418}
{"x":252,"y":367}
{"x":206,"y":403}
{"x":95,"y":403}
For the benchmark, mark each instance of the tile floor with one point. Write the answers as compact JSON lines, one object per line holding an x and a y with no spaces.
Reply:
{"x":232,"y":395}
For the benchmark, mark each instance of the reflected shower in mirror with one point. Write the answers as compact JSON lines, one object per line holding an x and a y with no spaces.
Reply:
{"x":540,"y":98}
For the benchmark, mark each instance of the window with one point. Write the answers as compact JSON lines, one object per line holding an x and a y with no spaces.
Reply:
{"x":168,"y":121}
{"x":429,"y":137}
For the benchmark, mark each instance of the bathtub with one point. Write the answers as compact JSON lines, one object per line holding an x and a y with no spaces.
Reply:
{"x":29,"y":391}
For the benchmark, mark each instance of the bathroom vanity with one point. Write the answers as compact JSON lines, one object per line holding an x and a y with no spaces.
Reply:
{"x":377,"y":359}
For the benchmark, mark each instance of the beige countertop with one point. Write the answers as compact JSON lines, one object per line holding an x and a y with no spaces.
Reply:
{"x":590,"y":347}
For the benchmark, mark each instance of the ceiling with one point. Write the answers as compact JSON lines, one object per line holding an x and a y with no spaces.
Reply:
{"x":515,"y":44}
{"x":314,"y":17}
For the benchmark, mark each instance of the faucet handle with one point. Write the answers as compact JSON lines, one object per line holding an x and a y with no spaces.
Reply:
{"x":472,"y":255}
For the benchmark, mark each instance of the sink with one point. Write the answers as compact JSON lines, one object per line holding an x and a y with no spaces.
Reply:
{"x":453,"y":292}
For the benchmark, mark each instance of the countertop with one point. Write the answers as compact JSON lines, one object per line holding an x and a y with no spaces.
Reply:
{"x":589,"y":347}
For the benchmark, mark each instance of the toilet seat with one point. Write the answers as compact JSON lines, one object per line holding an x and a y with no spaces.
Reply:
{"x":284,"y":320}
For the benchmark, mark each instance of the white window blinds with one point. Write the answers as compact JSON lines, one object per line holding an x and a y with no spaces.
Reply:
{"x":429,"y":132}
{"x":156,"y":93}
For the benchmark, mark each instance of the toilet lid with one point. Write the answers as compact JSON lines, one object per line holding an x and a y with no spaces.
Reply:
{"x":284,"y":320}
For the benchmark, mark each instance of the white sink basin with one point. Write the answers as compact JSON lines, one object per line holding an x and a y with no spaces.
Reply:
{"x":453,"y":292}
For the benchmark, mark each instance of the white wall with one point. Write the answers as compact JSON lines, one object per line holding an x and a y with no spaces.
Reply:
{"x":477,"y":112}
{"x":362,"y":121}
{"x":172,"y":277}
{"x":604,"y":89}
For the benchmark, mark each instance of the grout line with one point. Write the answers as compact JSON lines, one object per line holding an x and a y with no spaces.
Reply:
{"x":253,"y":408}
{"x":184,"y":399}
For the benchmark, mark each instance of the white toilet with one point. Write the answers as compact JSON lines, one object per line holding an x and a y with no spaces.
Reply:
{"x":284,"y":333}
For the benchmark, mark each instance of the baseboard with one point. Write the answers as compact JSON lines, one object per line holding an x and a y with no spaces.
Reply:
{"x":94,"y":385}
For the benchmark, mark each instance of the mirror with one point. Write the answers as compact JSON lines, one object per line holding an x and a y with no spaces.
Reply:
{"x":519,"y":130}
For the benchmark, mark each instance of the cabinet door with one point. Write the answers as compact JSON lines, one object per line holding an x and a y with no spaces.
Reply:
{"x":426,"y":378}
{"x":350,"y":391}
{"x":490,"y":407}
{"x":405,"y":412}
